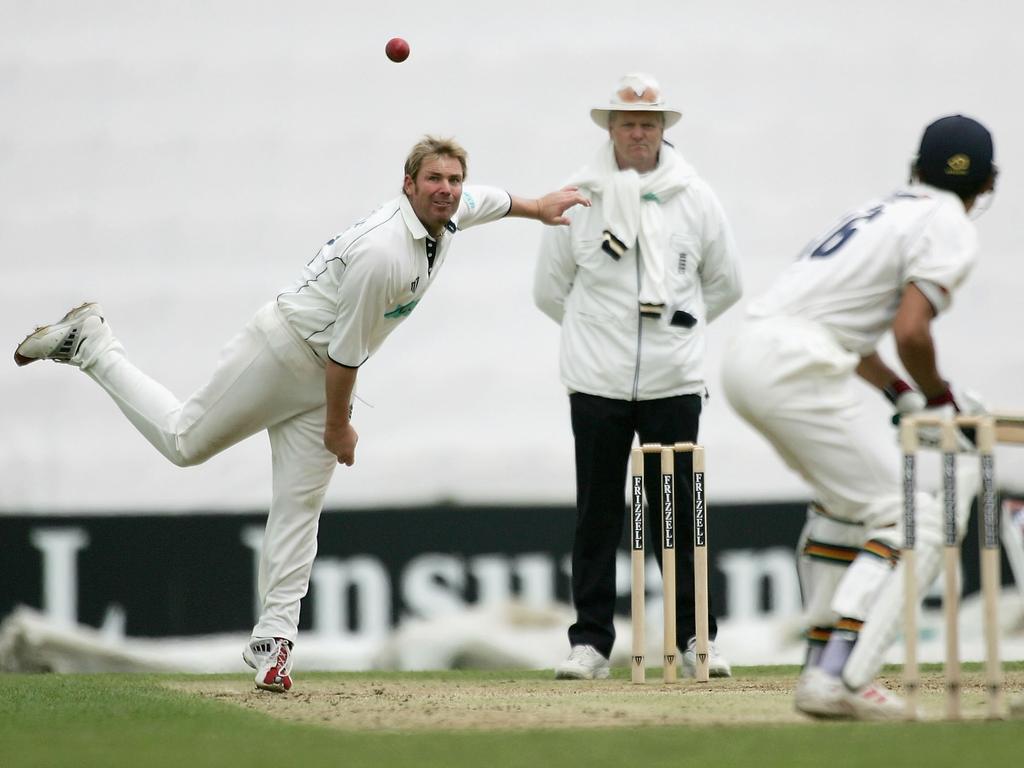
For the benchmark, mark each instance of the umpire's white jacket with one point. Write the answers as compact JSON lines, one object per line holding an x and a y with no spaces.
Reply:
{"x":607,"y":347}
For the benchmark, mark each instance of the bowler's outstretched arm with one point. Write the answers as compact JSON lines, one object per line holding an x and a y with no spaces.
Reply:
{"x":549,"y":208}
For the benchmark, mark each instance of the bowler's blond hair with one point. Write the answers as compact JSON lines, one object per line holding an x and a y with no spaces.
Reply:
{"x":433,"y":147}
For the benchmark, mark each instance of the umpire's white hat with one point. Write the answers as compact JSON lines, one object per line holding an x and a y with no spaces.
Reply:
{"x":636,"y":92}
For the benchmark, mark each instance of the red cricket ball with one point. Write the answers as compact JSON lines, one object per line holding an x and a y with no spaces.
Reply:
{"x":397,"y":49}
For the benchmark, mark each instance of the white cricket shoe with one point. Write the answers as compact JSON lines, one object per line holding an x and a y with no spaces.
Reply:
{"x":876,"y":702}
{"x":271,"y":657}
{"x":61,"y":341}
{"x":585,"y":662}
{"x":717,"y":665}
{"x":820,"y":694}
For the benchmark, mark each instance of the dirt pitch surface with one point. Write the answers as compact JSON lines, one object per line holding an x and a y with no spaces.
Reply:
{"x":418,"y":703}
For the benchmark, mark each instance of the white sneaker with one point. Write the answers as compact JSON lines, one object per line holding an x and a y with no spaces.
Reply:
{"x":820,"y":694}
{"x":585,"y":662}
{"x":876,"y":702}
{"x":61,"y":341}
{"x":271,"y":657}
{"x":717,"y":665}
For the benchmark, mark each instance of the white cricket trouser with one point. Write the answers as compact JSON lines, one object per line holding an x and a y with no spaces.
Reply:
{"x":266,"y":378}
{"x":792,"y":382}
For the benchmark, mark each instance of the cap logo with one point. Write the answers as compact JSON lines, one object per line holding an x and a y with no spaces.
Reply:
{"x":958,"y":165}
{"x":638,"y":95}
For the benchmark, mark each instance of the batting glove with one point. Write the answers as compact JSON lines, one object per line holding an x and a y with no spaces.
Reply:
{"x":905,"y":398}
{"x":947,"y":405}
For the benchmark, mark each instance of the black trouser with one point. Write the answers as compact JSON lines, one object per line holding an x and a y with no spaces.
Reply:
{"x":604,"y":431}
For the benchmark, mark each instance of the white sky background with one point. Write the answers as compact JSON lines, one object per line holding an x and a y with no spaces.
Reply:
{"x":179,"y":162}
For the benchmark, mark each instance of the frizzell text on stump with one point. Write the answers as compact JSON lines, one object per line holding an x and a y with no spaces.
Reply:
{"x":668,"y":512}
{"x":699,"y":532}
{"x":638,"y":513}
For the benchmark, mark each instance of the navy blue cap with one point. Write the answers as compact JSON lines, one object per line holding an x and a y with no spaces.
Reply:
{"x":955,"y":154}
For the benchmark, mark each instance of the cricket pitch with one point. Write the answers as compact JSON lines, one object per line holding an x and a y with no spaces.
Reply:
{"x":462,"y":701}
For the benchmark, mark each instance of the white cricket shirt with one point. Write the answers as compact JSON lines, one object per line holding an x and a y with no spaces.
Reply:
{"x":364,"y":282}
{"x":851,"y":279}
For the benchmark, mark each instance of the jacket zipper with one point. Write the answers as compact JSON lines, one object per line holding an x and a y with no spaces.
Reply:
{"x":639,"y":327}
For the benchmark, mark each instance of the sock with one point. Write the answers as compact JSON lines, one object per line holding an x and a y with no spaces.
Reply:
{"x":817,"y":639}
{"x":840,"y":646}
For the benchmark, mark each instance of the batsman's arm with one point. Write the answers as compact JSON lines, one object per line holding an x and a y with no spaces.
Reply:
{"x":875,"y":372}
{"x":905,"y":398}
{"x":340,"y":436}
{"x":912,"y":330}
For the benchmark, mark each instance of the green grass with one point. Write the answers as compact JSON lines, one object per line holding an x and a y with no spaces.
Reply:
{"x":133,"y":720}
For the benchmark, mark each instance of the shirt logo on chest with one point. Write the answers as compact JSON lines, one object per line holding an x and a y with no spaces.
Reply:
{"x":414,"y":284}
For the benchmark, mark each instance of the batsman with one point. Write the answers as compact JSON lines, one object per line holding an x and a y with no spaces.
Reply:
{"x":892,"y":264}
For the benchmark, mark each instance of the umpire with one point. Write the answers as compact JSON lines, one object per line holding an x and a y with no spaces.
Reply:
{"x":633,"y":282}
